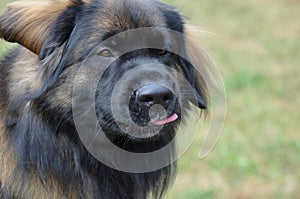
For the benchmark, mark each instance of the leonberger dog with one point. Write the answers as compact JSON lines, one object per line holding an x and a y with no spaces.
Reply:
{"x":42,"y":155}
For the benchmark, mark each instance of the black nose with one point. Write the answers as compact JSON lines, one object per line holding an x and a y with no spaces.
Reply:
{"x":154,"y":93}
{"x":148,"y":95}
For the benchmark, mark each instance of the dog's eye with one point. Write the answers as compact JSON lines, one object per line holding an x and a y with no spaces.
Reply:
{"x":162,"y":52}
{"x":105,"y":53}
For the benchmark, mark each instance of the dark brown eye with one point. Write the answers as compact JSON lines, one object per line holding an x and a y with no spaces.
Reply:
{"x":105,"y":53}
{"x":162,"y":52}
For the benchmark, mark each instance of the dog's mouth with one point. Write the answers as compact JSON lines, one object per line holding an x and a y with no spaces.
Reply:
{"x":153,"y":130}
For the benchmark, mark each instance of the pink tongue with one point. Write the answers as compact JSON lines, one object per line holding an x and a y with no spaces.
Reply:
{"x":166,"y":121}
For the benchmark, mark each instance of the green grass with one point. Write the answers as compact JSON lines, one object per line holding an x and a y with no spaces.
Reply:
{"x":5,"y":48}
{"x":257,"y":48}
{"x":257,"y":51}
{"x":196,"y":194}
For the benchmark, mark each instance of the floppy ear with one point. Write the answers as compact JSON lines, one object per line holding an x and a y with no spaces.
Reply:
{"x":196,"y":68}
{"x":29,"y":23}
{"x":43,"y":27}
{"x":197,"y":83}
{"x":176,"y":21}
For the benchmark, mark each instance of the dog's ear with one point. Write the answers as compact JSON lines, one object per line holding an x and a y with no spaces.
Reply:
{"x":176,"y":21}
{"x":196,"y":68}
{"x":196,"y":82}
{"x":30,"y":23}
{"x":173,"y":18}
{"x":43,"y":27}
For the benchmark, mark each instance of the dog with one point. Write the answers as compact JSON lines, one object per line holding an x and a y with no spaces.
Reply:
{"x":42,"y":154}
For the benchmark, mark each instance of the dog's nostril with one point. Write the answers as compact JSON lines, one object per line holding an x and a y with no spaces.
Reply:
{"x":168,"y":96}
{"x":154,"y":94}
{"x":145,"y":98}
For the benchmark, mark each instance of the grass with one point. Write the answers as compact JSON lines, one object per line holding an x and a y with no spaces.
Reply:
{"x":257,"y":51}
{"x":257,"y":48}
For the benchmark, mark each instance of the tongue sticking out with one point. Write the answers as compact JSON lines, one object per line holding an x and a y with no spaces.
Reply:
{"x":172,"y":118}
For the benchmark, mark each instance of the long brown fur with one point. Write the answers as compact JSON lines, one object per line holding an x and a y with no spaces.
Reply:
{"x":28,"y":23}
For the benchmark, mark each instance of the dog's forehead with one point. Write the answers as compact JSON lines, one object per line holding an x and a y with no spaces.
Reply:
{"x":122,"y":15}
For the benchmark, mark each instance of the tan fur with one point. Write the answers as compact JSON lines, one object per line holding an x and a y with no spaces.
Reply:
{"x":8,"y":162}
{"x":117,"y":18}
{"x":23,"y":75}
{"x":28,"y":23}
{"x":34,"y":188}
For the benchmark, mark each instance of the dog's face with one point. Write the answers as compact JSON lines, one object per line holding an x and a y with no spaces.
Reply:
{"x":66,"y":34}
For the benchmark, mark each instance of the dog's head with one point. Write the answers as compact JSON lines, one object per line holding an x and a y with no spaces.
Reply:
{"x":69,"y":34}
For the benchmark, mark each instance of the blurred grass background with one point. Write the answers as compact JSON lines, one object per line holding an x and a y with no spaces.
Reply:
{"x":257,"y":50}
